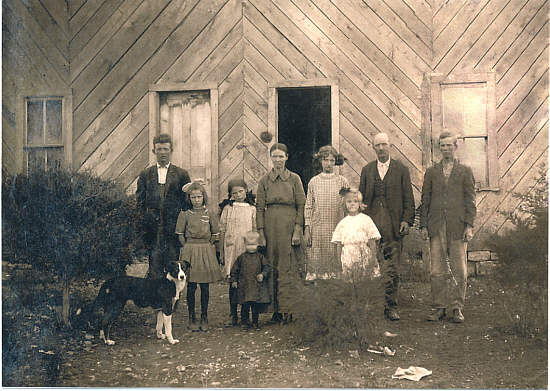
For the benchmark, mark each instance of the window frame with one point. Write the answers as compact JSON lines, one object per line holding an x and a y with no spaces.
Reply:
{"x":66,"y":97}
{"x":434,"y":128}
{"x":273,"y":108}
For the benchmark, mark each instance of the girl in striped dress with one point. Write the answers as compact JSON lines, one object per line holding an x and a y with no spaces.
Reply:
{"x":323,"y":210}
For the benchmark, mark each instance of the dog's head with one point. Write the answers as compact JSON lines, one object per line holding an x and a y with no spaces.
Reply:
{"x":178,"y":270}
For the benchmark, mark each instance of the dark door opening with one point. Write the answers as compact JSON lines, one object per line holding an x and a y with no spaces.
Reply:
{"x":304,"y":125}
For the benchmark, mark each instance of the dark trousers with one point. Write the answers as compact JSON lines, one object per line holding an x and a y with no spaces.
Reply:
{"x":159,"y":256}
{"x":390,"y":250}
{"x":389,"y":258}
{"x":233,"y":302}
{"x":245,"y":310}
{"x":205,"y":296}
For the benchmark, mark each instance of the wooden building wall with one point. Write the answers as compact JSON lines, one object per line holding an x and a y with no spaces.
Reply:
{"x":509,"y":38}
{"x":35,"y":58}
{"x":110,"y":51}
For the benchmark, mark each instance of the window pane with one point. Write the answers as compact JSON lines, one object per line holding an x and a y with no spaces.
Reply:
{"x":53,"y":122}
{"x":55,"y":157}
{"x":35,"y":115}
{"x":464,"y":108}
{"x":475,"y":109}
{"x":452,"y":108}
{"x":473,"y":153}
{"x":36,"y":159}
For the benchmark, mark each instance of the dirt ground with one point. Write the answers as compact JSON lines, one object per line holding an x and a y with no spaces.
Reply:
{"x":477,"y":354}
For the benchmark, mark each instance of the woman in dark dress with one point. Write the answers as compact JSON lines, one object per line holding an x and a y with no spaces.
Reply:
{"x":280,"y":204}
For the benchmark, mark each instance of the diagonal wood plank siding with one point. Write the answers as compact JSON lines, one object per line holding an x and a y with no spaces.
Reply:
{"x":379,"y":84}
{"x":35,"y":54}
{"x":110,"y":51}
{"x":509,"y":38}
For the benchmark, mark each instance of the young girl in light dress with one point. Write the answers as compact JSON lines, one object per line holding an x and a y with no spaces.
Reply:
{"x":355,"y":238}
{"x":238,"y":216}
{"x":323,"y":210}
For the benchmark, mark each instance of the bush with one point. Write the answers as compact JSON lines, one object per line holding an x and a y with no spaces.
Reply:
{"x":70,"y":224}
{"x":523,"y":261}
{"x":334,"y":314}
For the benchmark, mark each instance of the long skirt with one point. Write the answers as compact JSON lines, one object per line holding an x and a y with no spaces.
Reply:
{"x":284,"y":259}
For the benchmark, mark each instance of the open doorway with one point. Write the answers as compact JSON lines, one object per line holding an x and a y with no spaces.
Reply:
{"x":304,"y":125}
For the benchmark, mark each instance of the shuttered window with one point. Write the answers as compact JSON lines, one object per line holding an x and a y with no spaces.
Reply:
{"x":465,"y":106}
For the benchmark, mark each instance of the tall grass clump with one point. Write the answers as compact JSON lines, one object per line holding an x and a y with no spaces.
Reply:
{"x":522,"y":272}
{"x":339,"y":314}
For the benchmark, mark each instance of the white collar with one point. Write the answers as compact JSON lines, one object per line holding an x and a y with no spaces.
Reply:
{"x":387,"y":163}
{"x":159,"y":166}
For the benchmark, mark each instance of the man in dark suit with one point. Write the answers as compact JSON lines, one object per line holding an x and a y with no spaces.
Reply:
{"x":160,"y":198}
{"x":387,"y":192}
{"x":448,"y":213}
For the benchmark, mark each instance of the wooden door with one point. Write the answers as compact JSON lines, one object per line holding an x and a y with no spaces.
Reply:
{"x":187,"y":117}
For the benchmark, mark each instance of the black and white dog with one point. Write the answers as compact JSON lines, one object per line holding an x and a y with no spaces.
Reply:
{"x":162,"y":294}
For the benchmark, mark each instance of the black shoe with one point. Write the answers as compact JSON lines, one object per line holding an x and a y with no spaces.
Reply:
{"x":275,"y":319}
{"x":436,"y":314}
{"x":391,"y":314}
{"x":287,"y":318}
{"x":204,"y":323}
{"x":246,"y":326}
{"x":232,"y":323}
{"x":193,"y":325}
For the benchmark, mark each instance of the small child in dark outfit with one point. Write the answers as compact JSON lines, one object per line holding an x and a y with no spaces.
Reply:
{"x":249,"y":275}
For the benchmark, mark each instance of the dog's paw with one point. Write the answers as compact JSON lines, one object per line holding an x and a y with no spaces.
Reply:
{"x":109,"y":342}
{"x":173,"y":341}
{"x":161,"y":336}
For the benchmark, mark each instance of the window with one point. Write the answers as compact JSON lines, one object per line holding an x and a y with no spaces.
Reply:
{"x":465,"y":105}
{"x":45,"y":131}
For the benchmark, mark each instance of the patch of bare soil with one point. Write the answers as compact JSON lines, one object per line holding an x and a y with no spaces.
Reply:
{"x":477,"y":354}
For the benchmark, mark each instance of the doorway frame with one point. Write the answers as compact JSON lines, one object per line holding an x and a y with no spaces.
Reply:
{"x":273,"y":108}
{"x":154,"y":122}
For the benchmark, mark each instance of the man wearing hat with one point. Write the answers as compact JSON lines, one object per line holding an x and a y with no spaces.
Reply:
{"x":387,"y":192}
{"x":160,"y":198}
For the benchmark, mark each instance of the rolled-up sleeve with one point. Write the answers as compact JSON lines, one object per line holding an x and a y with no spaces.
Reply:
{"x":181,"y":224}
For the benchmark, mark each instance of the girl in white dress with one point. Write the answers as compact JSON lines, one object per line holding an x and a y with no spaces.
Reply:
{"x":238,"y":216}
{"x":355,"y":237}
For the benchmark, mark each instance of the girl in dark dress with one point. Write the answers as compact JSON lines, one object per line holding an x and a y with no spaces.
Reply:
{"x":198,"y":231}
